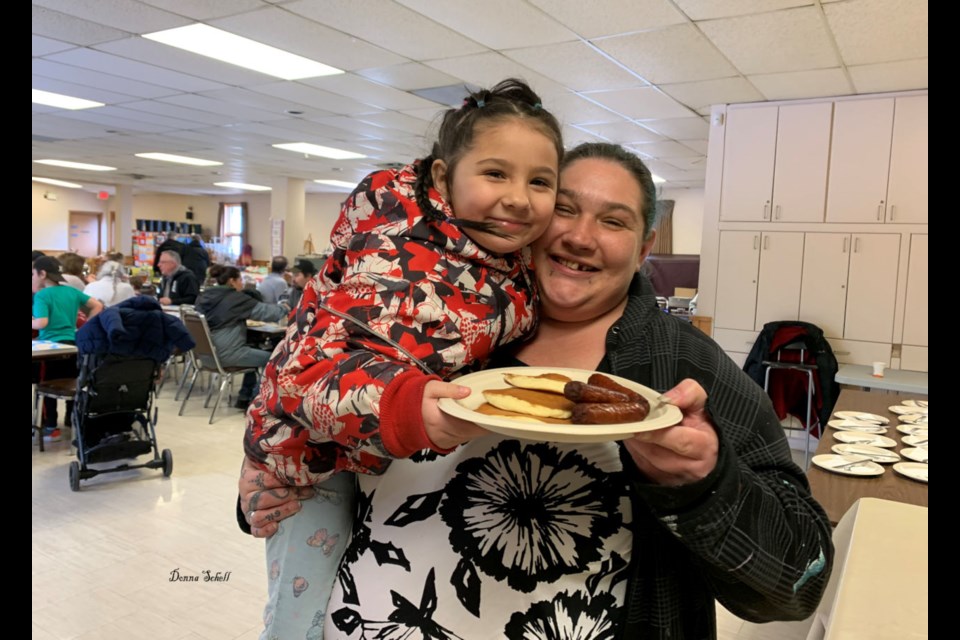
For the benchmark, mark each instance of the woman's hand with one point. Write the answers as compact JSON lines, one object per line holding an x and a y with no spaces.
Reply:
{"x":684,"y":453}
{"x":445,"y":431}
{"x":266,"y":500}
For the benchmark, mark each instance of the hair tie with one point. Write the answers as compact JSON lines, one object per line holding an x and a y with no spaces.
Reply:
{"x":537,"y":106}
{"x":480,"y":104}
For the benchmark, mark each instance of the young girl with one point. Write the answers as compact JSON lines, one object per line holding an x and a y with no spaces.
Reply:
{"x":425,"y":276}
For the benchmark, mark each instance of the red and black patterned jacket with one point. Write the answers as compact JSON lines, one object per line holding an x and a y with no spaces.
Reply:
{"x":335,"y":397}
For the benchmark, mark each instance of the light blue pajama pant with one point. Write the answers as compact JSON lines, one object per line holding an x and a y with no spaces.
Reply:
{"x":302,"y":561}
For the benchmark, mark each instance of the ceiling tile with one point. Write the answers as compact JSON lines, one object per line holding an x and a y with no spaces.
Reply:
{"x":397,"y":122}
{"x":408,"y":76}
{"x":788,"y":40}
{"x":701,"y":95}
{"x":623,"y":132}
{"x":485,"y":22}
{"x":59,"y":26}
{"x":693,"y":165}
{"x":205,"y":9}
{"x":709,"y":9}
{"x":679,"y":128}
{"x":261,"y":100}
{"x":577,"y":65}
{"x":306,"y":38}
{"x":890,"y":76}
{"x":81,"y":91}
{"x":315,"y":98}
{"x":645,"y":103}
{"x":372,"y":93}
{"x":802,"y":84}
{"x":573,"y":136}
{"x":686,"y":184}
{"x":408,"y":33}
{"x":665,"y":149}
{"x":613,"y":18}
{"x":42,"y":46}
{"x":865,"y":33}
{"x":427,"y":115}
{"x":184,"y":113}
{"x":700,"y":146}
{"x":112,"y":122}
{"x":203,"y":103}
{"x":97,"y":80}
{"x":487,"y":69}
{"x":674,"y":54}
{"x":56,"y":126}
{"x":126,"y":15}
{"x":572,"y":108}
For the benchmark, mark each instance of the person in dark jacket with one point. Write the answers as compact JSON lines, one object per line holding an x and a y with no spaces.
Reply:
{"x":638,"y":539}
{"x":178,"y":285}
{"x":193,"y":256}
{"x":227,"y":308}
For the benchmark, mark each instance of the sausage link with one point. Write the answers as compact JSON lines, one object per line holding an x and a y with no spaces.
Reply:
{"x":583,"y":392}
{"x":610,"y":413}
{"x":600,"y":380}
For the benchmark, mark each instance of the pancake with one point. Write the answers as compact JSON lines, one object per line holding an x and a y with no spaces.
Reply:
{"x":530,"y":402}
{"x":547,"y":382}
{"x":488,"y":409}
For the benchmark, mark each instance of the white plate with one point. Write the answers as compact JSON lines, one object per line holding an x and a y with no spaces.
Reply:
{"x":915,"y":441}
{"x":917,"y":454}
{"x":663,"y":415}
{"x":861,"y":415}
{"x":869,"y":439}
{"x":901,"y":409}
{"x":913,"y":403}
{"x":913,"y":470}
{"x":883,"y":456}
{"x":921,"y":403}
{"x":830,"y":462}
{"x":913,"y":429}
{"x":856,"y":425}
{"x":913,"y":418}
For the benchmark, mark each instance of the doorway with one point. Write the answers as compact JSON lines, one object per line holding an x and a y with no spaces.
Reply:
{"x":84,"y":233}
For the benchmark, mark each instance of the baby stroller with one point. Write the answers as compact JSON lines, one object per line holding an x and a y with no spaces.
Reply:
{"x":121,"y":353}
{"x":114,"y":416}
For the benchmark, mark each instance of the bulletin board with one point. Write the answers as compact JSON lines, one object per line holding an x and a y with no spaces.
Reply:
{"x":276,"y":238}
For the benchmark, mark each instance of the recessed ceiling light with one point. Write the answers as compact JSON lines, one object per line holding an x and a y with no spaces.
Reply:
{"x":169,"y":157}
{"x":59,"y":183}
{"x":227,"y":47}
{"x":242,"y":185}
{"x":338,"y":183}
{"x":317,"y":150}
{"x":76,"y":165}
{"x":62,"y":101}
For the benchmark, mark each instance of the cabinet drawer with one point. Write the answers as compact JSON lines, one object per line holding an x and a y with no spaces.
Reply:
{"x":735,"y":339}
{"x":857,"y":352}
{"x":913,"y":358}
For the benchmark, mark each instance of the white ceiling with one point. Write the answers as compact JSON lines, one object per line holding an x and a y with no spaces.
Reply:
{"x":639,"y":72}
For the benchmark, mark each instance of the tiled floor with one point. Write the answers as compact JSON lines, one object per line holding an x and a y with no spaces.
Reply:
{"x":103,"y":556}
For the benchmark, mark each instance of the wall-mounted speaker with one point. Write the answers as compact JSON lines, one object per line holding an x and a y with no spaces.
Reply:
{"x":189,"y":215}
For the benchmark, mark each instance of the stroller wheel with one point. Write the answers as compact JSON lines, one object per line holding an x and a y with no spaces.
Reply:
{"x":75,"y":476}
{"x":167,"y":462}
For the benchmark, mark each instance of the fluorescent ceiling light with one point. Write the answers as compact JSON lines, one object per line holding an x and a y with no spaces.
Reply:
{"x":241,"y":185}
{"x":317,"y":150}
{"x":657,"y":179}
{"x":62,"y":101}
{"x":59,"y":183}
{"x":76,"y":165}
{"x":227,"y":47}
{"x":338,"y":183}
{"x":169,"y":157}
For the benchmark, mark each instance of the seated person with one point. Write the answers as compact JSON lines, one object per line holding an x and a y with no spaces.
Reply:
{"x":71,"y":269}
{"x":178,"y":285}
{"x":227,"y":308}
{"x":275,"y":284}
{"x":111,"y":285}
{"x":302,"y":271}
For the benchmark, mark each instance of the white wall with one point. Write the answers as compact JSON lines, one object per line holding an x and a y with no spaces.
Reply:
{"x":321,"y":212}
{"x":687,"y":219}
{"x":51,"y":218}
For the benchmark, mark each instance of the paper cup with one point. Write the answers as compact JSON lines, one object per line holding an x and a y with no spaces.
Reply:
{"x":878,"y":368}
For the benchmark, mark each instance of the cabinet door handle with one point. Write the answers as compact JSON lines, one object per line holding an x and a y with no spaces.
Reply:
{"x":777,"y":210}
{"x":766,"y":211}
{"x":844,"y":245}
{"x":856,"y":245}
{"x":893,"y":212}
{"x":880,"y":211}
{"x":766,"y":242}
{"x":755,"y":239}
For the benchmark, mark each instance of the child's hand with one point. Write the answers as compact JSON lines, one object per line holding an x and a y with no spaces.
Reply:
{"x":445,"y":431}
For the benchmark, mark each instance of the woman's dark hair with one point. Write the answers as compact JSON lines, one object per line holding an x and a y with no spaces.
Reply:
{"x":629,"y":161}
{"x":71,"y":263}
{"x":510,"y":98}
{"x":222,"y":273}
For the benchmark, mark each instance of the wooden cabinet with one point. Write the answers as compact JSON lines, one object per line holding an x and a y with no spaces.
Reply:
{"x":775,"y":163}
{"x":850,"y":284}
{"x":859,"y":160}
{"x":916,"y":312}
{"x":758,"y":278}
{"x":907,"y":187}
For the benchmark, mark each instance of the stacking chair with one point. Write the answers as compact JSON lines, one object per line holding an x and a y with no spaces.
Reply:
{"x":59,"y":388}
{"x":203,"y":357}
